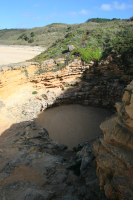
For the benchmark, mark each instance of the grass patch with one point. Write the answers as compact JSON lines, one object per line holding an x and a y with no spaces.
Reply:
{"x":24,"y":113}
{"x":76,"y":149}
{"x":25,"y":71}
{"x":67,"y":85}
{"x":44,"y":96}
{"x":34,"y":92}
{"x":87,"y":54}
{"x":71,"y":85}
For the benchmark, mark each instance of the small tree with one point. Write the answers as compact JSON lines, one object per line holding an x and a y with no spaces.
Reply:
{"x":22,"y":36}
{"x":31,"y":40}
{"x":32,"y":34}
{"x":69,"y":28}
{"x":131,"y":18}
{"x":26,"y":38}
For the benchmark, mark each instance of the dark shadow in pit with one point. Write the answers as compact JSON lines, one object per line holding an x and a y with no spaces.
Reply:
{"x":35,"y":167}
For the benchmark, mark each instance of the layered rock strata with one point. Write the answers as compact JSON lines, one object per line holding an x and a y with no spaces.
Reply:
{"x":29,"y":145}
{"x":28,"y":88}
{"x":114,"y":151}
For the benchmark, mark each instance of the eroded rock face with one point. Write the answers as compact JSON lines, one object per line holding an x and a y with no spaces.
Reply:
{"x":43,"y":163}
{"x":33,"y":167}
{"x":114,"y":151}
{"x":77,"y":83}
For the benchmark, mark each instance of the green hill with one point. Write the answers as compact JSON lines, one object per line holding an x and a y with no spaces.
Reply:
{"x":92,"y":41}
{"x":42,"y":36}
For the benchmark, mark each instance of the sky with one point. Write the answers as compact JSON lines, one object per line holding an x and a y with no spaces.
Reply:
{"x":39,"y":13}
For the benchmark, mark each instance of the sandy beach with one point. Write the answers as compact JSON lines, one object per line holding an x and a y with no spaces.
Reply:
{"x":15,"y":53}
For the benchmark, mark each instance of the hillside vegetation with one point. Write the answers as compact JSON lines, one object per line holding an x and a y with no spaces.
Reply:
{"x":40,"y":36}
{"x":44,"y":36}
{"x":101,"y":20}
{"x":93,"y":41}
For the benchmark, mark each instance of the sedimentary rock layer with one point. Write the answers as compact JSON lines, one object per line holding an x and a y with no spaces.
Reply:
{"x":114,"y":151}
{"x":25,"y":89}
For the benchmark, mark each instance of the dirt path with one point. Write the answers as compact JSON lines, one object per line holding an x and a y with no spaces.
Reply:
{"x":15,"y":54}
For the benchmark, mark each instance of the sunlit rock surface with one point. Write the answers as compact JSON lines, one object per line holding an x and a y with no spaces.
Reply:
{"x":114,"y":151}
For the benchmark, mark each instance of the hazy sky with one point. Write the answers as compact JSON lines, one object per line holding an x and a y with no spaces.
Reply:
{"x":36,"y":13}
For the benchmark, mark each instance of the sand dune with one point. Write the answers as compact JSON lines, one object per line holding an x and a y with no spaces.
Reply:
{"x":15,"y":54}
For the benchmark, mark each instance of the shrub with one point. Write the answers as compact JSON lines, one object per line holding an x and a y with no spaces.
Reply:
{"x":34,"y":92}
{"x":69,"y":28}
{"x":31,"y":40}
{"x":131,"y":19}
{"x":87,"y":54}
{"x":75,"y":149}
{"x":40,"y":62}
{"x":32,"y":34}
{"x":24,"y":70}
{"x":26,"y":38}
{"x":22,"y":36}
{"x":67,"y":85}
{"x":59,"y":64}
{"x":44,"y":96}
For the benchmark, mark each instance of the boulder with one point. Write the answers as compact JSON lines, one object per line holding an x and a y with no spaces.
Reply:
{"x":70,"y":48}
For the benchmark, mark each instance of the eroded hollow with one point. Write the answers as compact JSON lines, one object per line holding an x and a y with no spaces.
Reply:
{"x":72,"y":124}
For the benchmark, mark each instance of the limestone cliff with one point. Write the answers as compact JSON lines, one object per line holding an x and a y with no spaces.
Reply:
{"x":114,"y":151}
{"x":78,"y":82}
{"x":30,"y":148}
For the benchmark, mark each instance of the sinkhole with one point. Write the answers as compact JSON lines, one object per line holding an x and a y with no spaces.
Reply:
{"x":73,"y":124}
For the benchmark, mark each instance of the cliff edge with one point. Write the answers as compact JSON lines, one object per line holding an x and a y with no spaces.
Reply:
{"x":114,"y":150}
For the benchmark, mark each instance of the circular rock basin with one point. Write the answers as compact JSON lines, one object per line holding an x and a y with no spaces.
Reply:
{"x":72,"y":124}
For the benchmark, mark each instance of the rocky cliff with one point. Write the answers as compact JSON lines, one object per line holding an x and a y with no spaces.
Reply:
{"x":26,"y":89}
{"x":114,"y":150}
{"x":59,"y":82}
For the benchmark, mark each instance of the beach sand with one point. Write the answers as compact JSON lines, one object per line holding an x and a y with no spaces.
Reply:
{"x":15,"y":53}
